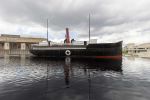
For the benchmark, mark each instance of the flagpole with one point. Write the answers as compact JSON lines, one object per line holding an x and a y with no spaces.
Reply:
{"x":47,"y":30}
{"x":89,"y":29}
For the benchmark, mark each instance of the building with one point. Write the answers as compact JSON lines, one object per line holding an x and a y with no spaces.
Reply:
{"x":14,"y":44}
{"x":92,"y":41}
{"x":141,"y":50}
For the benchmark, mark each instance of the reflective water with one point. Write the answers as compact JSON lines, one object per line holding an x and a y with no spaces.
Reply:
{"x":74,"y":79}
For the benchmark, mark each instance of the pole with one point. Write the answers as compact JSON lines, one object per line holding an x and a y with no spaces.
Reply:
{"x":89,"y":29}
{"x":47,"y":30}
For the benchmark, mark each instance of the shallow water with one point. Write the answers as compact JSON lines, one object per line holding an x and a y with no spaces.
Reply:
{"x":68,"y":79}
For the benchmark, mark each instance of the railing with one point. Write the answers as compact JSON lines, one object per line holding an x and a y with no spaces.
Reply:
{"x":58,"y":47}
{"x":14,"y":52}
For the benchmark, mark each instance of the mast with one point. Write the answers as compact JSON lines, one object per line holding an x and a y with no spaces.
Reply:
{"x":47,"y":30}
{"x":89,"y":29}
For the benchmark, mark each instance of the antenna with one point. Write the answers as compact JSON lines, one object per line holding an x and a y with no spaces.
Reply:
{"x":47,"y":30}
{"x":89,"y":29}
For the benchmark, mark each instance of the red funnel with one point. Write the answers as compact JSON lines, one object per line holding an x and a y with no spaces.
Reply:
{"x":67,"y":36}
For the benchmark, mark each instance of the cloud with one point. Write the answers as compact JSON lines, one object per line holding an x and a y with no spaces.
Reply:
{"x":109,"y":18}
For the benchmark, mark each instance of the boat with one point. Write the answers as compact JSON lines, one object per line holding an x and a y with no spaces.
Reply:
{"x":85,"y":50}
{"x":102,"y":51}
{"x":91,"y":50}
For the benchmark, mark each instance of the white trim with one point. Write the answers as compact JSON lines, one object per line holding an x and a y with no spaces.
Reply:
{"x":34,"y":48}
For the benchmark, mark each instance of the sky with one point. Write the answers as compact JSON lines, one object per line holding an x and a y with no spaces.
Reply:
{"x":111,"y":20}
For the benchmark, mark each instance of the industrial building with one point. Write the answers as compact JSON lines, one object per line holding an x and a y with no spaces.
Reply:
{"x":15,"y":44}
{"x":141,"y":50}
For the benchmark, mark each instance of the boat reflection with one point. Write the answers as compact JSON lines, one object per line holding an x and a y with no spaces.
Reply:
{"x":102,"y":64}
{"x":70,"y":64}
{"x":67,"y":67}
{"x":85,"y":64}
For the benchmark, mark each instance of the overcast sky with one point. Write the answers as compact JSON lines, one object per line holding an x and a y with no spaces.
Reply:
{"x":111,"y":20}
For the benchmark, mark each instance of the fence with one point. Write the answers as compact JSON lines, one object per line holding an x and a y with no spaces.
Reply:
{"x":14,"y":52}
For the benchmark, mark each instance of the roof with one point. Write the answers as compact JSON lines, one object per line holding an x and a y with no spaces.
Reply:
{"x":14,"y":38}
{"x":144,"y":45}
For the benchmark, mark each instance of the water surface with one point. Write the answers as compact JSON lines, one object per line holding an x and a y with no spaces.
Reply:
{"x":74,"y":79}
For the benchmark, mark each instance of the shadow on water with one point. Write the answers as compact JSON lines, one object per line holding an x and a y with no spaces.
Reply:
{"x":63,"y":78}
{"x":98,"y":64}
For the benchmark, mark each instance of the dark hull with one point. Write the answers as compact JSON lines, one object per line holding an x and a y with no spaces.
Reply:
{"x":105,"y":50}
